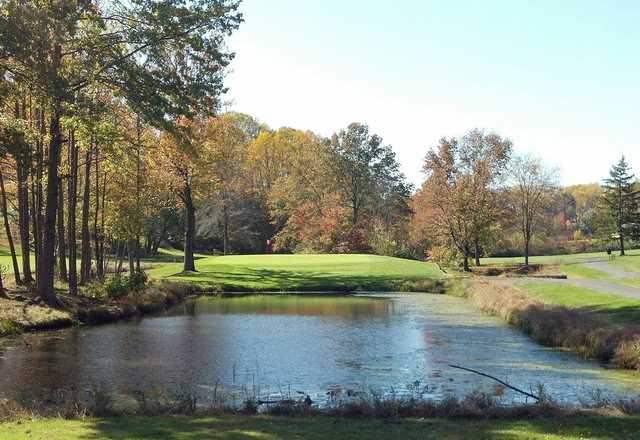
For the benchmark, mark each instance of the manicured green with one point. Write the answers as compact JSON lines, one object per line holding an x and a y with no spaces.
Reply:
{"x":303,"y":272}
{"x":320,"y":428}
{"x":614,"y":306}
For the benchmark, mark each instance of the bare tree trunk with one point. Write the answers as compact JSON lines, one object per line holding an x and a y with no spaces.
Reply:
{"x":47,"y":258}
{"x":38,"y":217}
{"x":130,"y":251}
{"x":189,"y":231}
{"x":23,"y":219}
{"x":225,"y":234}
{"x":621,"y":243}
{"x":72,"y":195}
{"x":7,"y":229}
{"x":96,"y":232}
{"x":526,"y":251}
{"x":476,"y":250}
{"x":85,"y":246}
{"x":62,"y":248}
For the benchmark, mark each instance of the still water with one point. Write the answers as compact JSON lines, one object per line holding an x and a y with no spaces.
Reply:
{"x":277,"y":345}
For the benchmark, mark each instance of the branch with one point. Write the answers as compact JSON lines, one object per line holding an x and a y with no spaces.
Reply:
{"x":511,"y":387}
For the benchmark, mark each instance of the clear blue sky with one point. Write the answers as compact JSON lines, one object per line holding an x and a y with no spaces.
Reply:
{"x":560,"y":78}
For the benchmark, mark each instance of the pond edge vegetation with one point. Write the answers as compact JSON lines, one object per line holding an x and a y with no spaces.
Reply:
{"x":581,"y":330}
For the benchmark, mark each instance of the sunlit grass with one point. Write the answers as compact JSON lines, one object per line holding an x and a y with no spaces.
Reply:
{"x":611,"y":305}
{"x":303,"y":271}
{"x":321,"y":428}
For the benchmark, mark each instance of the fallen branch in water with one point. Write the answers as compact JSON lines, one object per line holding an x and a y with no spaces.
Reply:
{"x":511,"y":387}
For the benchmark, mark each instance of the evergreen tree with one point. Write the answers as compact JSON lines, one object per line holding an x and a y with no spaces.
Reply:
{"x":621,"y":199}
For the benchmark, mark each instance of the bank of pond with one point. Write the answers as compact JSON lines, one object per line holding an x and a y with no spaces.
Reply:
{"x":328,"y":348}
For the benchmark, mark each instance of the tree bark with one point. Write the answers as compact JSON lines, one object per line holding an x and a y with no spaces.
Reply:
{"x":85,"y":245}
{"x":225,"y":232}
{"x":7,"y":229}
{"x":45,"y":272}
{"x":131,"y":244}
{"x":23,"y":218}
{"x":476,"y":250}
{"x":96,"y":231}
{"x":189,"y":231}
{"x":72,"y":191}
{"x":62,"y":248}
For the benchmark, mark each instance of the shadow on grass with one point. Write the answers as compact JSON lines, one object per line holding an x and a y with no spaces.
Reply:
{"x":249,"y":279}
{"x":237,"y":427}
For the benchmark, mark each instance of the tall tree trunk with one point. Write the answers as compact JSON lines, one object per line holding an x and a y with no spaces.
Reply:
{"x":35,"y":229}
{"x":96,"y":232}
{"x":189,"y":231}
{"x":23,"y":218}
{"x":131,"y":244}
{"x":62,"y":248}
{"x":72,"y":196}
{"x":7,"y":229}
{"x":621,"y":234}
{"x":45,"y":272}
{"x":225,"y":232}
{"x":85,"y":245}
{"x":38,"y":191}
{"x":526,"y":251}
{"x":476,"y":250}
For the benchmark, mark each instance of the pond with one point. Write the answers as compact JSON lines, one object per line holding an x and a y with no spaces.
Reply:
{"x":279,"y":345}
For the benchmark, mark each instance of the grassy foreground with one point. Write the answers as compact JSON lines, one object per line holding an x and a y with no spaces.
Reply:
{"x":306,"y":272}
{"x":274,"y":428}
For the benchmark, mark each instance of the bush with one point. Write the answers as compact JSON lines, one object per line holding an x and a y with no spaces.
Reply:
{"x":137,"y":281}
{"x":116,"y":287}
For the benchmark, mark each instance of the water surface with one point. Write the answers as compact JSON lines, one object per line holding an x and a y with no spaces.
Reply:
{"x":275,"y":345}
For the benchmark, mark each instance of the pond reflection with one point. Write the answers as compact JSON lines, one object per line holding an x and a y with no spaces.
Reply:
{"x":307,"y":343}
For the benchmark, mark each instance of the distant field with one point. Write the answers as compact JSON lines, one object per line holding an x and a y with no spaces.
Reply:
{"x":302,"y":272}
{"x":566,"y":259}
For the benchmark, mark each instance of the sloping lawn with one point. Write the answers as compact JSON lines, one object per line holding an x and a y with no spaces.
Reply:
{"x":617,"y":307}
{"x":304,"y":272}
{"x":320,"y":428}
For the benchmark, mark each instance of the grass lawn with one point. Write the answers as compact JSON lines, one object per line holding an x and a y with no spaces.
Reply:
{"x":303,"y":272}
{"x":316,"y":428}
{"x":567,"y":259}
{"x":617,"y":307}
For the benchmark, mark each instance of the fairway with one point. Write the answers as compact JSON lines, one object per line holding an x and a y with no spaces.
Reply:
{"x":305,"y":272}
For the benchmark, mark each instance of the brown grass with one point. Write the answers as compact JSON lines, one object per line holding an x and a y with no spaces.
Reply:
{"x":583,"y":331}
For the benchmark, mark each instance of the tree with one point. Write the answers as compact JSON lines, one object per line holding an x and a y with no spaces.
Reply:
{"x":620,"y":198}
{"x":365,"y":170}
{"x":166,"y":59}
{"x":532,"y":189}
{"x":463,"y":179}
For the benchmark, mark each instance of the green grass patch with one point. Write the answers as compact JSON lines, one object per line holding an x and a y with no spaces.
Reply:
{"x":612,"y":306}
{"x":579,"y":271}
{"x":567,"y":259}
{"x":306,"y":272}
{"x":321,"y":428}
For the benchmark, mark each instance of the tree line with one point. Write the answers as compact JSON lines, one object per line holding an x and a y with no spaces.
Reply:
{"x":113,"y":143}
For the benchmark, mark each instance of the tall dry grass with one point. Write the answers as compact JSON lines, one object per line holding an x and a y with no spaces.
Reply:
{"x":584,"y":331}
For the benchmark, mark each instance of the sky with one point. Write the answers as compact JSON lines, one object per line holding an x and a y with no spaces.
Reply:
{"x":560,"y":78}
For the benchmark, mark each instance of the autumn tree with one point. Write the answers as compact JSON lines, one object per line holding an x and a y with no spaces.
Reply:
{"x":532,"y":187}
{"x":165,"y":59}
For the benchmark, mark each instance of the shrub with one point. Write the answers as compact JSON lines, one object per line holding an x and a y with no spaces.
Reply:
{"x":116,"y":287}
{"x":137,"y":281}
